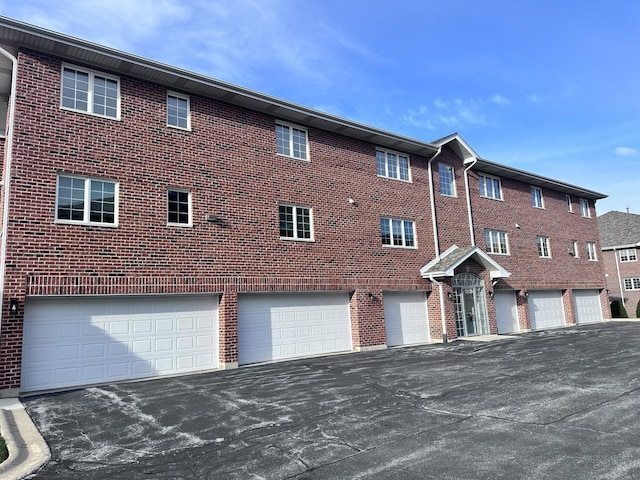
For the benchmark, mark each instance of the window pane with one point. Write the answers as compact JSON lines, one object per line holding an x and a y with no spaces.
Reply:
{"x":303,"y":222}
{"x":286,"y":221}
{"x":408,"y":234}
{"x":396,"y":228}
{"x":70,"y":199}
{"x":299,"y":138}
{"x":403,"y":164}
{"x":102,"y":202}
{"x":177,"y":111}
{"x":385,"y":231}
{"x":178,"y":207}
{"x":75,"y":88}
{"x":381,"y":164}
{"x":392,"y":165}
{"x":446,"y":179}
{"x":282,"y":140}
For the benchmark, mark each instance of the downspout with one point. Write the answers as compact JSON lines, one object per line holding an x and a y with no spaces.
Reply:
{"x":7,"y":174}
{"x":432,"y":202}
{"x":466,"y":187}
{"x":443,"y":317}
{"x":619,"y":278}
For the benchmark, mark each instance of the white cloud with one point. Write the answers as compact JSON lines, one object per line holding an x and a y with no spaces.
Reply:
{"x":626,"y":151}
{"x":452,"y":114}
{"x":500,"y":100}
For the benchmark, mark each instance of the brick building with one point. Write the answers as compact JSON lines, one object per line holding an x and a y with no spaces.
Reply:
{"x":620,"y":240}
{"x":156,"y":221}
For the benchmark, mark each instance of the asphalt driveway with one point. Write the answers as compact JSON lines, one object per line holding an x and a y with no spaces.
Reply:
{"x":562,"y":404}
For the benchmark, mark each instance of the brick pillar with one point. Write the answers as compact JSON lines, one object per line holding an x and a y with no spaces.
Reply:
{"x":228,"y":329}
{"x":367,"y":320}
{"x":523,"y":311}
{"x":567,"y":302}
{"x":11,"y":349}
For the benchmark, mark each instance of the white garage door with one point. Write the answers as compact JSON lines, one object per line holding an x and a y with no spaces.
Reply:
{"x":279,"y":326}
{"x":81,"y":341}
{"x":506,"y":311}
{"x":405,"y":318}
{"x":587,"y":306}
{"x":545,"y":309}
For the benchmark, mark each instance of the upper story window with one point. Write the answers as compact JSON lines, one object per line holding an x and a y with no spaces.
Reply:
{"x":584,"y":208}
{"x":536,"y":197}
{"x":447,"y":180}
{"x":632,"y":283}
{"x":628,"y":255}
{"x":591,"y":251}
{"x":292,"y":141}
{"x":296,"y":222}
{"x":178,"y":111}
{"x":569,"y":203}
{"x":90,"y":92}
{"x":496,"y":242}
{"x":86,"y":201}
{"x":392,"y":165}
{"x":544,"y":248}
{"x":490,"y":187}
{"x":179,"y":207}
{"x":574,"y":249}
{"x":397,"y":233}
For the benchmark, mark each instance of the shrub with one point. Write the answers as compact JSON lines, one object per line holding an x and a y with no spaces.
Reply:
{"x":618,"y":310}
{"x":4,"y":452}
{"x":638,"y":310}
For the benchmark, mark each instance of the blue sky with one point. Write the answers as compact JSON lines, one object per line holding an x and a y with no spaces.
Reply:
{"x":550,"y":87}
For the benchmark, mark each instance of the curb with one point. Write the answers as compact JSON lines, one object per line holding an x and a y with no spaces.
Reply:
{"x":27,"y":449}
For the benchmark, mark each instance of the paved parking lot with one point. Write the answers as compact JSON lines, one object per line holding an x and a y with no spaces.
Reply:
{"x":561,"y":404}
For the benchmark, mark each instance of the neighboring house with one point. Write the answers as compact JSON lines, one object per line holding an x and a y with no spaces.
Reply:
{"x":620,"y":240}
{"x":157,"y":221}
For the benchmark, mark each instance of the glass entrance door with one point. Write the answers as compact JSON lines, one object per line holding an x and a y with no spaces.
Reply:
{"x":470,"y":305}
{"x":469,"y":309}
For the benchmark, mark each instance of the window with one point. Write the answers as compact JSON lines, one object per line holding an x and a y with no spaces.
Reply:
{"x":397,"y":233}
{"x":295,"y":222}
{"x":574,"y":248}
{"x":584,"y":208}
{"x":178,"y":111}
{"x":291,"y":141}
{"x":447,"y":180}
{"x":536,"y":197}
{"x":91,"y":92}
{"x":178,"y":207}
{"x":569,"y":204}
{"x":496,"y":242}
{"x":632,"y":283}
{"x":392,"y":165}
{"x":490,"y":187}
{"x":86,"y":201}
{"x":591,"y":251}
{"x":628,"y":255}
{"x":543,"y":247}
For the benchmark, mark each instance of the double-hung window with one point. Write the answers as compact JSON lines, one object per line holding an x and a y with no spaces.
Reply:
{"x":397,"y":233}
{"x":179,"y":207}
{"x":296,"y":222}
{"x":291,"y":141}
{"x":392,"y":165}
{"x":584,"y":208}
{"x":91,"y":92}
{"x":178,"y":111}
{"x":544,"y":250}
{"x":632,"y":283}
{"x":447,"y":179}
{"x":87,"y":201}
{"x":591,"y":251}
{"x":490,"y":187}
{"x":536,"y":197}
{"x":569,"y":203}
{"x":496,"y":242}
{"x":628,"y":255}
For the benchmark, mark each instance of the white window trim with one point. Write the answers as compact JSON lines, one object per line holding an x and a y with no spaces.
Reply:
{"x":576,"y":253}
{"x":569,"y":203}
{"x":92,"y":74}
{"x":183,"y":97}
{"x":592,"y":254}
{"x":291,"y":149}
{"x":489,"y":177}
{"x":629,"y":252}
{"x":584,"y":201}
{"x":386,"y":165}
{"x":413,"y":228}
{"x":87,"y":202}
{"x":541,"y":206}
{"x":633,"y":281}
{"x":540,"y":238}
{"x":454,"y":193}
{"x":295,"y":237}
{"x":177,"y":224}
{"x":506,"y":241}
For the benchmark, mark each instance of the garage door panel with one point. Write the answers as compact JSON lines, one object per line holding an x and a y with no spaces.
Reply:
{"x":116,"y":338}
{"x":506,"y":311}
{"x":405,"y":317}
{"x":546,"y":309}
{"x":588,"y":308}
{"x":275,"y":326}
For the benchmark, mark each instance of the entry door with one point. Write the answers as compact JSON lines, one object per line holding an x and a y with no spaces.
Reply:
{"x":469,"y":308}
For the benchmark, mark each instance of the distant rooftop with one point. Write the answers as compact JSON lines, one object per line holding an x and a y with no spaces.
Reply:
{"x":619,"y":229}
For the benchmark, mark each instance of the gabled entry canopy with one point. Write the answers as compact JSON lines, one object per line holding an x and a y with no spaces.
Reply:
{"x":454,"y":256}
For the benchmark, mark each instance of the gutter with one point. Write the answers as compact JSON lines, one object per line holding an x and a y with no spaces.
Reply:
{"x":466,"y":187}
{"x":7,"y":175}
{"x":615,"y":255}
{"x":432,"y":202}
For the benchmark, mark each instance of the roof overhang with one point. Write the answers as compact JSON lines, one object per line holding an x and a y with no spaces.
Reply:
{"x":442,"y":267}
{"x":15,"y":34}
{"x":621,"y":247}
{"x":456,"y":143}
